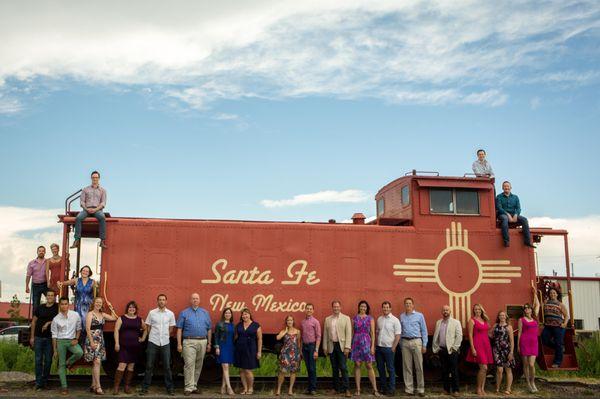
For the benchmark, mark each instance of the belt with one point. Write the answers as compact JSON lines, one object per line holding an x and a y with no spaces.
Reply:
{"x":42,"y":283}
{"x":410,"y":338}
{"x":198,"y":338}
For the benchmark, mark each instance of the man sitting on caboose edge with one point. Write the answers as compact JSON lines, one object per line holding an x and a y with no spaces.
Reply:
{"x":93,"y":201}
{"x":508,"y":210}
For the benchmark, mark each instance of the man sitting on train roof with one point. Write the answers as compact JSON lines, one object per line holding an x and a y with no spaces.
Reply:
{"x":508,"y":210}
{"x":93,"y":201}
{"x":481,"y":167}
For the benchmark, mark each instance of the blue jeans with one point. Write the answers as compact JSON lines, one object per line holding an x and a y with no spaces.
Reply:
{"x":338,"y":364}
{"x":42,"y":347}
{"x":165,"y":352}
{"x":37,"y":289}
{"x":554,"y":338}
{"x":521,"y":220}
{"x":385,"y":360}
{"x":101,"y":223}
{"x":308,"y":351}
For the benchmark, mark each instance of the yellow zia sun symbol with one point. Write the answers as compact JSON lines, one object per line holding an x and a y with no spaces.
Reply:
{"x":457,"y":249}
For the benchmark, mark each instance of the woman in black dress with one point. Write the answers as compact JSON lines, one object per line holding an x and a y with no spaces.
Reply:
{"x":128,"y":343}
{"x":248,"y":349}
{"x":503,"y":346}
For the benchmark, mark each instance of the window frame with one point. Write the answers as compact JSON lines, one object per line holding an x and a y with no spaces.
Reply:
{"x":382,"y":202}
{"x":407,"y":203}
{"x":454,"y":203}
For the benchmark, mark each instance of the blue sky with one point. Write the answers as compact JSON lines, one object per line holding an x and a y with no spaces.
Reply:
{"x":199,"y":110}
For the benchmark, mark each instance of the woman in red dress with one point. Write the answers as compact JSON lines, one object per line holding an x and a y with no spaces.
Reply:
{"x":54,"y":268}
{"x":480,"y":351}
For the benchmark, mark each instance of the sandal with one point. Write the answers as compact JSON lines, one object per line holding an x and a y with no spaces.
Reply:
{"x":99,"y":391}
{"x":376,"y":393}
{"x":507,"y":392}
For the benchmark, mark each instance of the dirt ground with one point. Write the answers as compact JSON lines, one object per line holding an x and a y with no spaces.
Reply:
{"x":21,"y":385}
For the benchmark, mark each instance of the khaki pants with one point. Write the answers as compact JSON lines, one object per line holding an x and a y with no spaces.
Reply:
{"x":193,"y":357}
{"x":412,"y":356}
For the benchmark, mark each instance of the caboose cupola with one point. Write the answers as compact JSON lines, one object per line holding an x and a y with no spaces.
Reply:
{"x":426,"y":199}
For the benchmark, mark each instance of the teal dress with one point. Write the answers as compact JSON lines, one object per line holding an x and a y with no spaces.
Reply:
{"x":224,"y":338}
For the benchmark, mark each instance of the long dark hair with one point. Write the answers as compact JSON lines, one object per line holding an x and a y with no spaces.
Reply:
{"x":223,"y":315}
{"x":366,"y":303}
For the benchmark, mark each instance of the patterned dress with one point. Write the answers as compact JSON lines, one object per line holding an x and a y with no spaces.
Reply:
{"x":501,"y":347}
{"x":97,"y":334}
{"x":361,"y":341}
{"x":84,"y":295}
{"x":289,"y":358}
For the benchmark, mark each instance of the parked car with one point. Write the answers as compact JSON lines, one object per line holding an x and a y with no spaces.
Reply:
{"x":12,"y":333}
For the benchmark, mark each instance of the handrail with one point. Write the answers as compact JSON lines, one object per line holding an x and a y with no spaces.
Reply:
{"x":415,"y":172}
{"x":69,"y":200}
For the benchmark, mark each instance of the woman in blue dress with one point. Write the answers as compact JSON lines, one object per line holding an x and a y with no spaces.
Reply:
{"x":224,"y":348}
{"x":84,"y":293}
{"x":248,"y":349}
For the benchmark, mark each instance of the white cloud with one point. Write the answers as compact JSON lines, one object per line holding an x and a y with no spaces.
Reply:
{"x":328,"y":196}
{"x":9,"y":105}
{"x":21,"y":232}
{"x":584,"y":245}
{"x":424,"y":52}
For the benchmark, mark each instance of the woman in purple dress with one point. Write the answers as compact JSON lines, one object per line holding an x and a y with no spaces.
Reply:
{"x":363,"y":345}
{"x":528,"y":340}
{"x":480,"y":351}
{"x":130,"y":332}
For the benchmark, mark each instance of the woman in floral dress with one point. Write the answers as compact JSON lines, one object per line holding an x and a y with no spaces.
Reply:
{"x":94,"y":350}
{"x":363,"y":345}
{"x":289,"y":357}
{"x":503,"y":346}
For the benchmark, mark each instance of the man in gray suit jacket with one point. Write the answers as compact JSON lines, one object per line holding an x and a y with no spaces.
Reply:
{"x":337,"y":341}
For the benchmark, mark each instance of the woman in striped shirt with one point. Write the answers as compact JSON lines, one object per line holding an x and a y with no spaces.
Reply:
{"x":555,"y":322}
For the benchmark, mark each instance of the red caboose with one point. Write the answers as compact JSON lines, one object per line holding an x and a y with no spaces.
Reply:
{"x":434,"y":239}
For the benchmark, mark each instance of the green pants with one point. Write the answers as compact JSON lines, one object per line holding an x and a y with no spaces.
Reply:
{"x":63,"y":346}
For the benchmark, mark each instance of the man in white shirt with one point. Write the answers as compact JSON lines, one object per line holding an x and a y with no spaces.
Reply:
{"x":446,"y":343}
{"x":388,"y":336}
{"x":160,"y":323}
{"x":65,"y":329}
{"x":481,"y":167}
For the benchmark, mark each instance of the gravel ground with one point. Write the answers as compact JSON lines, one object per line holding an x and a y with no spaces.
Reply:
{"x":16,"y":384}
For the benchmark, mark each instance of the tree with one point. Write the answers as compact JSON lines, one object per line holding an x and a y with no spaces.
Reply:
{"x":14,"y":312}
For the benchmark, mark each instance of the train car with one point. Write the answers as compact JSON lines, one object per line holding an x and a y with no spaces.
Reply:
{"x":434,"y":239}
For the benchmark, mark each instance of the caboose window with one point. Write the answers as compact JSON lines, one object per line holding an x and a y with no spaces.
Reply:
{"x":404,"y":195}
{"x":467,"y":202}
{"x":454,"y":201}
{"x":441,"y":201}
{"x":380,"y":207}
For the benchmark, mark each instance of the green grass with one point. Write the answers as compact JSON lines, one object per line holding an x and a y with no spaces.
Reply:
{"x":269,"y":367}
{"x":588,"y":357}
{"x":15,"y":357}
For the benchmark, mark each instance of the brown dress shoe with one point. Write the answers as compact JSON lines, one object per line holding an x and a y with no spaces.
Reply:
{"x":75,"y":244}
{"x":103,"y":244}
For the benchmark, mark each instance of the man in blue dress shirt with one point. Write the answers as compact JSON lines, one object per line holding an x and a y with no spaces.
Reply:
{"x":414,"y":345}
{"x":508,"y":210}
{"x":194,"y":326}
